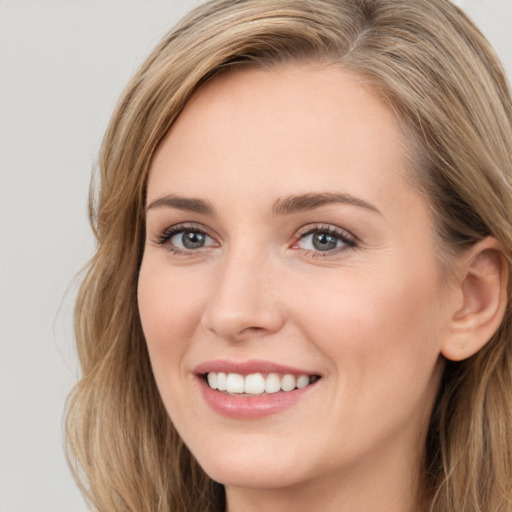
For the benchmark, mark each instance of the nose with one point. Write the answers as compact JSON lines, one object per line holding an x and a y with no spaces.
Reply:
{"x":244,"y":300}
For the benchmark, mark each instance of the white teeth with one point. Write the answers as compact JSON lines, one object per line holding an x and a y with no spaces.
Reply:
{"x":256,"y":383}
{"x":272,"y":383}
{"x":221,"y":381}
{"x":302,"y":381}
{"x":212,"y":380}
{"x":235,"y":383}
{"x":288,"y":382}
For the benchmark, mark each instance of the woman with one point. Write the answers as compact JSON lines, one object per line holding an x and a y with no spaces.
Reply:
{"x":301,"y":293}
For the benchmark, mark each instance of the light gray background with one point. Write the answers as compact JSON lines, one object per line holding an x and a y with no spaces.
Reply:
{"x":63,"y":64}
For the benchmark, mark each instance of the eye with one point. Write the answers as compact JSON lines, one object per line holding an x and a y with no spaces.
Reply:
{"x":183,"y":239}
{"x":325,"y":239}
{"x":190,"y":239}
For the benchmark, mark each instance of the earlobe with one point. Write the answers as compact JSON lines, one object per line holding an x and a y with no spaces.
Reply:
{"x":483,"y":288}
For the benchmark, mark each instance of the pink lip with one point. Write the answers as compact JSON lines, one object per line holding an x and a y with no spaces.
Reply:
{"x":253,"y":407}
{"x":247,"y":367}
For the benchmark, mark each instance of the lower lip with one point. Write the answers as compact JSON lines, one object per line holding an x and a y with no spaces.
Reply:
{"x":251,"y":407}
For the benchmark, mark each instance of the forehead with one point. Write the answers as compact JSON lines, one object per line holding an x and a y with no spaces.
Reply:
{"x":302,"y":126}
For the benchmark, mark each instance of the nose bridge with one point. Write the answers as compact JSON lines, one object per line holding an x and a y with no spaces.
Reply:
{"x":243,"y":299}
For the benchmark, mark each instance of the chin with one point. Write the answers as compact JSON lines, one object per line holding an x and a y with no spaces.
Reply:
{"x":252,"y":478}
{"x":252,"y":471}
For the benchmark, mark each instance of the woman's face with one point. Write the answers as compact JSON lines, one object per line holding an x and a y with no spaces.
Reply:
{"x":284,"y":243}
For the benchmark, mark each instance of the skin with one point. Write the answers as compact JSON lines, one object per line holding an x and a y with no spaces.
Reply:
{"x":369,"y":319}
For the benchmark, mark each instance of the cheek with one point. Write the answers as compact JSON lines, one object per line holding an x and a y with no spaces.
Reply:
{"x":170,"y":310}
{"x":384,"y":358}
{"x":379,"y":332}
{"x":372,"y":304}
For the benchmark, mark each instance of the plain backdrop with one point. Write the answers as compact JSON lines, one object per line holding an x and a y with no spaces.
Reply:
{"x":63,"y":64}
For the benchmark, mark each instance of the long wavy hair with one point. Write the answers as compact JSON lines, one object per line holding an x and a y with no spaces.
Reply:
{"x":430,"y":63}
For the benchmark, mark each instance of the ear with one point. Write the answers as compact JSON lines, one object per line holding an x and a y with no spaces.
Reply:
{"x":482,"y":289}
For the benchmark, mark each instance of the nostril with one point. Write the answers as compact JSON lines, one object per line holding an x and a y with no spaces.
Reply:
{"x":253,"y":329}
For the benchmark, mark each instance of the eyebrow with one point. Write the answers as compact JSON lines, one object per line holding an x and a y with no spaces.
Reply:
{"x":288,"y":205}
{"x":182,"y":203}
{"x":304,"y":202}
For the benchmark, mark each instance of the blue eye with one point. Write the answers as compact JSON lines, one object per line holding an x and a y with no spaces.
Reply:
{"x":325,"y":239}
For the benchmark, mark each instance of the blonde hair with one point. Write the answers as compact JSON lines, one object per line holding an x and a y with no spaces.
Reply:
{"x":442,"y":78}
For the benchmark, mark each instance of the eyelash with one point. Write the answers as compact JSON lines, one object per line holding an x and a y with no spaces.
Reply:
{"x":165,"y":236}
{"x":348,"y":241}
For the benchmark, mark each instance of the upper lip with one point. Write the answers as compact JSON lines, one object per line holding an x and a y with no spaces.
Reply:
{"x":248,"y":367}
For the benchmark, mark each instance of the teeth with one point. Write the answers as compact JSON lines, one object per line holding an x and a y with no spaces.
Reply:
{"x":272,"y":383}
{"x":302,"y":381}
{"x":235,"y":383}
{"x":288,"y":382}
{"x":212,"y":380}
{"x":256,"y":383}
{"x":221,"y":381}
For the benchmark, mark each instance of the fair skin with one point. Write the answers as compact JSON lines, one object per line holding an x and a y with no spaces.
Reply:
{"x":344,"y":287}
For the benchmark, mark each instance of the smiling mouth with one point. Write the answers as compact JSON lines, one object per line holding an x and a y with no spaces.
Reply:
{"x":257,"y":384}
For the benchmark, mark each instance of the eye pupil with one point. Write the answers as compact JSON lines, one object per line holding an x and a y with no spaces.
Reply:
{"x":192,"y":239}
{"x":324,"y":241}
